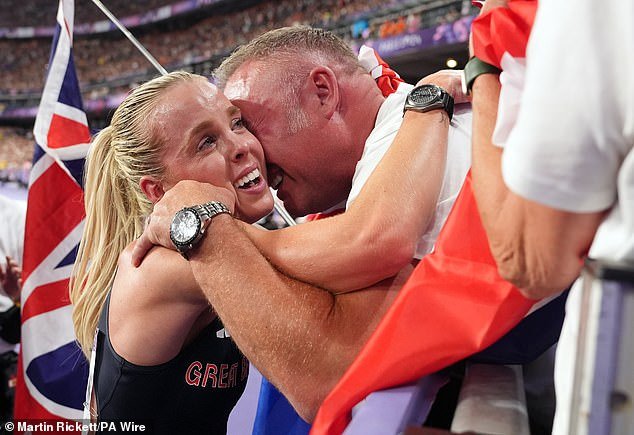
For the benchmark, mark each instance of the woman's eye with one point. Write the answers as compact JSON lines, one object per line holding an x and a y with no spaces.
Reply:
{"x":207,"y":142}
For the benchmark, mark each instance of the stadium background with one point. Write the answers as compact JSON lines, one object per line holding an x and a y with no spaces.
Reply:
{"x":416,"y":37}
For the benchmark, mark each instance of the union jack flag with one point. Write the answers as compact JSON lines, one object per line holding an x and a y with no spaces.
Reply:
{"x":52,"y":371}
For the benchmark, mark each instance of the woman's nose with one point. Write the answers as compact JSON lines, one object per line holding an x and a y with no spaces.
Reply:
{"x":238,"y":149}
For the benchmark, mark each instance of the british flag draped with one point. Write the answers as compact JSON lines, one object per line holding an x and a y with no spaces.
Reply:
{"x":52,"y":371}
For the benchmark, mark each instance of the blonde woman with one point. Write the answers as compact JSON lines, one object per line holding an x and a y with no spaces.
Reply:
{"x":163,"y":357}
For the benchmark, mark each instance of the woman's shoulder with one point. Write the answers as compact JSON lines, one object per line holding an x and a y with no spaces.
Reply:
{"x":164,"y":275}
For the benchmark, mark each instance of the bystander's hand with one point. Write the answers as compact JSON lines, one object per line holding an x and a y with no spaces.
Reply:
{"x":11,"y":279}
{"x":184,"y":194}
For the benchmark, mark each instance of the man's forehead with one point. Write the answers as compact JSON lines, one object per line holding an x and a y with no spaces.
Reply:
{"x":246,"y":81}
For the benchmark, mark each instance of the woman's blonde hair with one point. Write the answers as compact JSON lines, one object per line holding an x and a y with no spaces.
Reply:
{"x":116,"y":206}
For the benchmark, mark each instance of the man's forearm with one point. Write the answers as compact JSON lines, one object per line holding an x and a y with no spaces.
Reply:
{"x":300,"y":337}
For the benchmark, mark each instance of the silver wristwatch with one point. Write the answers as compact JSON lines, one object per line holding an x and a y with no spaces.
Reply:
{"x":189,"y":224}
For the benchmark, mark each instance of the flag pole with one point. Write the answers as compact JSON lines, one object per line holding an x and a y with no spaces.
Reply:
{"x":131,"y":37}
{"x":278,"y":207}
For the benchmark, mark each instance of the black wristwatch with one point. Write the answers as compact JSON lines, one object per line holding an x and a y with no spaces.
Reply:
{"x":424,"y":98}
{"x":189,"y":224}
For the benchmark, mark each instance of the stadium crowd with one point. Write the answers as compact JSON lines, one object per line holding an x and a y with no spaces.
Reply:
{"x":109,"y":57}
{"x":42,"y":12}
{"x":108,"y":64}
{"x":16,"y":152}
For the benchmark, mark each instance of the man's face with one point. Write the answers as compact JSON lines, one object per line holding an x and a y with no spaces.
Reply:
{"x":301,"y":164}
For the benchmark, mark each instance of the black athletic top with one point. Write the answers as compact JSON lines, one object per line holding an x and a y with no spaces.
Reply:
{"x":191,"y":394}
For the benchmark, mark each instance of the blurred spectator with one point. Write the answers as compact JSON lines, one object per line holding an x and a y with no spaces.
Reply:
{"x":12,"y":216}
{"x":16,"y":153}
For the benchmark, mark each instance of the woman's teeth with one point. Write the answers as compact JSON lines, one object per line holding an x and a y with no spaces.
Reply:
{"x":249,"y":180}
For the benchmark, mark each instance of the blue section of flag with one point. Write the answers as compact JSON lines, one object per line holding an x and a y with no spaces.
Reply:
{"x":38,"y":153}
{"x":76,"y":169}
{"x":275,"y":416}
{"x":69,"y":94}
{"x":535,"y":334}
{"x":70,"y":258}
{"x":61,"y":375}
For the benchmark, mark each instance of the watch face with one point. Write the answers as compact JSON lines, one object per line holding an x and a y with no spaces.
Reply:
{"x":185,"y":226}
{"x":425,"y":94}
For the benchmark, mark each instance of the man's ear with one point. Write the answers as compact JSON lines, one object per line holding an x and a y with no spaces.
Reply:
{"x":152,"y":187}
{"x":323,"y":83}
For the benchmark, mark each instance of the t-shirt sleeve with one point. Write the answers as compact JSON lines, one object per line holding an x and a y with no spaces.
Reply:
{"x":570,"y":138}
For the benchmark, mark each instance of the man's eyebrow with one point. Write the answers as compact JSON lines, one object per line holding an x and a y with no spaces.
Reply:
{"x":232,"y":110}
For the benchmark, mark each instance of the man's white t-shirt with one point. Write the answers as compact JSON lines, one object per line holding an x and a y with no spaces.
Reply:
{"x":388,"y":121}
{"x":571,"y":148}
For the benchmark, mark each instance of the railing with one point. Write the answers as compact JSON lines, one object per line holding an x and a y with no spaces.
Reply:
{"x":603,"y":386}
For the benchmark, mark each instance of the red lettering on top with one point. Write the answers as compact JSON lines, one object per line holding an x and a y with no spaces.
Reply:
{"x":194,"y":368}
{"x":211,"y":370}
{"x":223,"y":376}
{"x":233,"y":375}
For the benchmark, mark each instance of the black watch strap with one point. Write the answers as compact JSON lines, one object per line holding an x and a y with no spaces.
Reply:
{"x":473,"y":69}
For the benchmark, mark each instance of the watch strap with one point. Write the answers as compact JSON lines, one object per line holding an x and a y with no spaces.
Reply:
{"x":210,"y":209}
{"x":206,"y":212}
{"x":473,"y":69}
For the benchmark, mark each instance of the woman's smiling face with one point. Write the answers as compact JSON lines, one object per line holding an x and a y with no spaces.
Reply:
{"x":204,"y":139}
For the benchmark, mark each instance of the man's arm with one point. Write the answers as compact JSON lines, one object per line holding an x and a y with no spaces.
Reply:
{"x":538,"y":248}
{"x":376,"y":237}
{"x":300,"y":337}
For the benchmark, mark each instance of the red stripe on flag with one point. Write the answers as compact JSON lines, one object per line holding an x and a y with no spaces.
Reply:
{"x":65,"y":132}
{"x":45,"y":298}
{"x":55,"y":208}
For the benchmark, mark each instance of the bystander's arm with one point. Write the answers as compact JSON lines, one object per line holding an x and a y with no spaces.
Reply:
{"x":538,"y":248}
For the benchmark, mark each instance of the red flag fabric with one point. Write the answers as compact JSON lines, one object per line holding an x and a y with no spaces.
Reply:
{"x":503,"y":30}
{"x":386,"y":78}
{"x":453,"y":305}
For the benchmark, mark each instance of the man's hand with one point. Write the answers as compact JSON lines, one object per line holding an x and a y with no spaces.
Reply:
{"x":185,"y":193}
{"x":11,"y":279}
{"x":450,"y":80}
